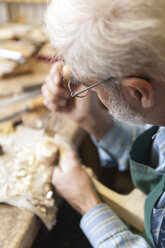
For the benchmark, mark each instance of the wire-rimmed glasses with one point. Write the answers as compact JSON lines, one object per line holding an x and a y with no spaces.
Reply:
{"x":80,"y":93}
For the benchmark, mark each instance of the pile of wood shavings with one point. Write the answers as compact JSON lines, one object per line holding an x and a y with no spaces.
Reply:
{"x":26,"y":172}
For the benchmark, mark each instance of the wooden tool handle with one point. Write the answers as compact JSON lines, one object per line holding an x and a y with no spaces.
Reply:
{"x":37,"y":103}
{"x":129,"y":207}
{"x":66,"y":75}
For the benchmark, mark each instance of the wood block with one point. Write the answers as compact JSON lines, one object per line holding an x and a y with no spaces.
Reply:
{"x":18,"y":227}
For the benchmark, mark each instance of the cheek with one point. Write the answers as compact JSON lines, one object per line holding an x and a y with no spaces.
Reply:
{"x":104,"y":98}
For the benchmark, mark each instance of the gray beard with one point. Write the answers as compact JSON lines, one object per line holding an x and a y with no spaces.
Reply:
{"x":120,"y":110}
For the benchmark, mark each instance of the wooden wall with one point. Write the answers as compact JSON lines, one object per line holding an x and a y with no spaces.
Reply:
{"x":23,"y":12}
{"x":3,"y":13}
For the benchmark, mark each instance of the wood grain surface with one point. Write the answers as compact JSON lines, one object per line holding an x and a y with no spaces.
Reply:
{"x":25,"y":1}
{"x":18,"y":227}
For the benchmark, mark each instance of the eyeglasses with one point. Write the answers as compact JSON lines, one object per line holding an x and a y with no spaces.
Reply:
{"x":80,"y":93}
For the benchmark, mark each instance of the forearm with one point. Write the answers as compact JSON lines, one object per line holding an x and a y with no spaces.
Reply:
{"x":104,"y":229}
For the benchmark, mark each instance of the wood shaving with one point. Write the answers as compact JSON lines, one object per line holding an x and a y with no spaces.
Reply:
{"x":25,"y":176}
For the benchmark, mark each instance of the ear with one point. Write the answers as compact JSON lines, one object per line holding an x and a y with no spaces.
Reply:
{"x":140,"y":89}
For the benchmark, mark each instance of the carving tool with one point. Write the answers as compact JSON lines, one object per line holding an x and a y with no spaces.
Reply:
{"x":23,"y":89}
{"x":19,"y":98}
{"x":34,"y":105}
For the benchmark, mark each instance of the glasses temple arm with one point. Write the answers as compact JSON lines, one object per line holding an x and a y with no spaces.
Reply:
{"x":87,"y":89}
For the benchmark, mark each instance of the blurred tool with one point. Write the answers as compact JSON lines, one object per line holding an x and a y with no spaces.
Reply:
{"x":13,"y":55}
{"x":31,"y":87}
{"x":19,"y":98}
{"x":34,"y":105}
{"x":24,"y":88}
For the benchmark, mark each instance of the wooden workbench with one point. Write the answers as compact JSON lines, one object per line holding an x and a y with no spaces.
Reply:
{"x":19,"y":227}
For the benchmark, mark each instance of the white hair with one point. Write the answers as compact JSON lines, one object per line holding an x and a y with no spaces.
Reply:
{"x":99,"y":38}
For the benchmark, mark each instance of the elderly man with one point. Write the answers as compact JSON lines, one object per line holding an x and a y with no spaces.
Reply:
{"x":118,"y":48}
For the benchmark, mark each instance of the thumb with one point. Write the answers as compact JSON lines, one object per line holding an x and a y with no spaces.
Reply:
{"x":69,"y":160}
{"x":56,"y":174}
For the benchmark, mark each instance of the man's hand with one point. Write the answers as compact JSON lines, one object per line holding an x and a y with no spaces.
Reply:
{"x":87,"y":112}
{"x":73,"y":184}
{"x":57,"y":97}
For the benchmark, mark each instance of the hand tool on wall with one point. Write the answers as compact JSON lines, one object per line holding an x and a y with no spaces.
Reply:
{"x":32,"y":106}
{"x":23,"y":89}
{"x":19,"y":98}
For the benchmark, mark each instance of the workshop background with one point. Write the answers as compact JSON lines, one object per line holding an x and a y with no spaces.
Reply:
{"x":21,"y":31}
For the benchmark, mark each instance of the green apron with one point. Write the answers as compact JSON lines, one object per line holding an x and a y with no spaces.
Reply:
{"x":145,"y":177}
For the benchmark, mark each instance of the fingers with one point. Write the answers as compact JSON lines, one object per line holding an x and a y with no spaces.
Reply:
{"x":68,"y":163}
{"x":56,"y":70}
{"x":51,"y":89}
{"x":53,"y":102}
{"x":54,"y":107}
{"x":57,"y":98}
{"x":69,"y":160}
{"x":56,"y":175}
{"x":55,"y":94}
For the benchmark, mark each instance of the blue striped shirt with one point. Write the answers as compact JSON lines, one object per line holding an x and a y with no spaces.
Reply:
{"x":101,"y":225}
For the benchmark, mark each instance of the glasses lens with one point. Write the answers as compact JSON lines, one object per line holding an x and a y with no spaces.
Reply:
{"x":82,"y":94}
{"x":72,"y":86}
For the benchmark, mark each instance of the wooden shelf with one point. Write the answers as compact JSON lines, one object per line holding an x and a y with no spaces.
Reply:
{"x":25,"y":1}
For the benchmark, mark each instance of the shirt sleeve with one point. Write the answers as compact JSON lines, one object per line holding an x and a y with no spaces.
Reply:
{"x":117,"y":142}
{"x":104,"y":229}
